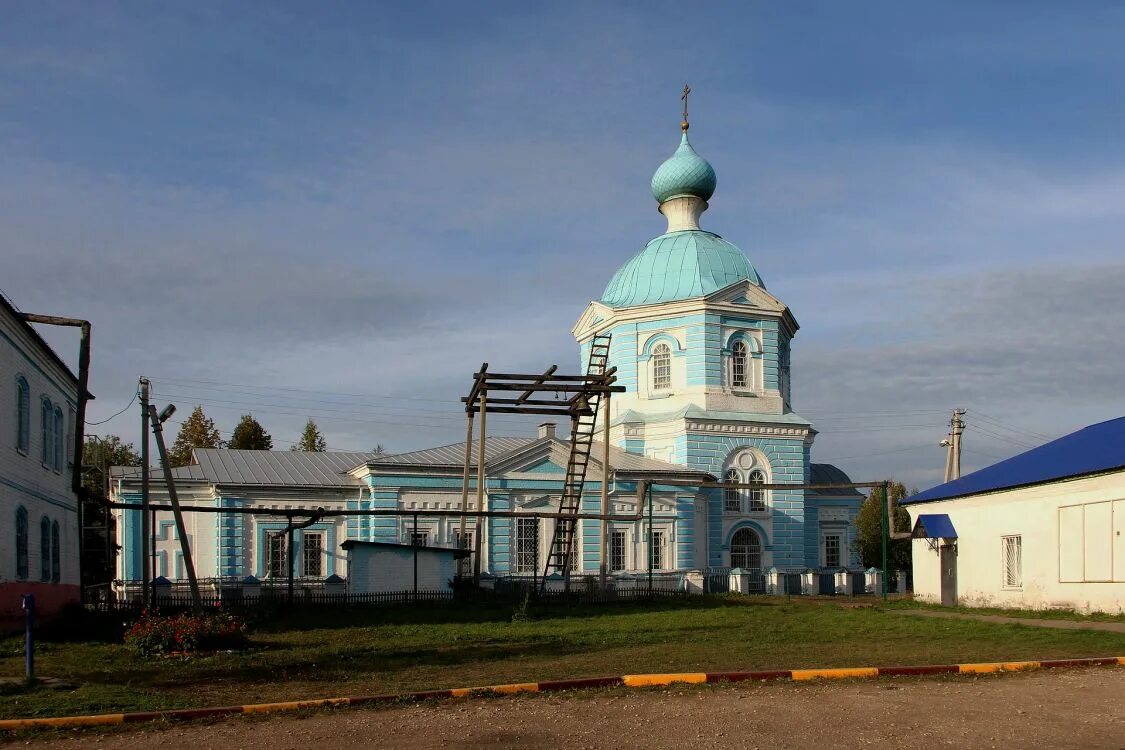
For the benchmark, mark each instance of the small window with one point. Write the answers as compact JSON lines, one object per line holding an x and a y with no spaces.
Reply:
{"x":276,"y":558}
{"x":44,"y":549}
{"x":21,"y":543}
{"x":739,"y":366}
{"x":617,"y":551}
{"x":757,"y":497}
{"x":832,"y":550}
{"x":56,"y":553}
{"x":527,"y":545}
{"x":1012,"y":551}
{"x":656,"y":550}
{"x":23,"y":415}
{"x":47,"y":431}
{"x":419,"y":538}
{"x":746,"y":550}
{"x":661,"y":367}
{"x":60,"y":436}
{"x":312,"y":555}
{"x":576,"y":551}
{"x":731,"y":496}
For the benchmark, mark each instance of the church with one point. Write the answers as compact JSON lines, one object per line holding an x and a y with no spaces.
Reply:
{"x":703,"y":350}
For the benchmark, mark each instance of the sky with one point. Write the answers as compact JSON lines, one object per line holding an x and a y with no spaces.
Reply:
{"x":339,"y":210}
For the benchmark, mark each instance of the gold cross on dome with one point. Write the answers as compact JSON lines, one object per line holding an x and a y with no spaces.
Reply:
{"x":684,"y":96}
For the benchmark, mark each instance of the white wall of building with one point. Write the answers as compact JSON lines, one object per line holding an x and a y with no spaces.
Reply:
{"x":1071,"y":540}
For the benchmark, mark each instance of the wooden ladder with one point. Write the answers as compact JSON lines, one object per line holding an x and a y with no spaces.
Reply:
{"x":581,"y":443}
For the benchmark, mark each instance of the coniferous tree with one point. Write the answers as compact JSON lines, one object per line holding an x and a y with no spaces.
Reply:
{"x":311,"y":439}
{"x":869,"y":529}
{"x":250,"y":435}
{"x":197,"y":431}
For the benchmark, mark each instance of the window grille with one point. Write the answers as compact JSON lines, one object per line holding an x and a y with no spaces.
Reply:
{"x":44,"y":549}
{"x":419,"y":538}
{"x":276,"y":559}
{"x":1013,"y":561}
{"x":731,"y":497}
{"x":23,"y":415}
{"x":656,"y":550}
{"x":757,"y":497}
{"x":576,"y":551}
{"x":746,"y":550}
{"x":832,"y":550}
{"x":661,"y":367}
{"x":617,"y":551}
{"x":527,"y":545}
{"x":56,"y":553}
{"x":21,"y":543}
{"x":739,"y":369}
{"x":312,"y":555}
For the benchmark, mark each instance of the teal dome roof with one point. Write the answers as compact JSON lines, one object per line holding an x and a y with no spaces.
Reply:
{"x":677,"y":266}
{"x":685,"y":173}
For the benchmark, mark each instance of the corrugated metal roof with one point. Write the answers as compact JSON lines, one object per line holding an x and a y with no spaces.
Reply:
{"x":934,"y":526}
{"x":194,"y":471}
{"x":1091,"y":450}
{"x":454,"y":454}
{"x":288,"y":468}
{"x":829,"y":474}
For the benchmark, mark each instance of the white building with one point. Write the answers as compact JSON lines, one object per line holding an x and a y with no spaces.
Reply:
{"x":1044,"y":529}
{"x":38,"y":510}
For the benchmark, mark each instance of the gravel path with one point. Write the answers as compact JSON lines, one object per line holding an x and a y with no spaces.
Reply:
{"x":1058,"y":709}
{"x":1112,"y":627}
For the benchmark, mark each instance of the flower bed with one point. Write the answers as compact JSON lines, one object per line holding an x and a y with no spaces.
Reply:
{"x":186,"y":633}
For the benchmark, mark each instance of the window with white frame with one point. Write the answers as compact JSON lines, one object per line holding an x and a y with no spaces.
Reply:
{"x":312,"y":555}
{"x":21,"y":543}
{"x":576,"y":550}
{"x":739,"y":365}
{"x":419,"y":538}
{"x":757,"y":497}
{"x":656,"y":550}
{"x":23,"y":415}
{"x":60,"y":435}
{"x":527,"y":545}
{"x":47,"y":430}
{"x":831,"y":544}
{"x":1012,"y":552}
{"x":732,"y":497}
{"x":661,"y":367}
{"x":276,"y":557}
{"x":617,"y":551}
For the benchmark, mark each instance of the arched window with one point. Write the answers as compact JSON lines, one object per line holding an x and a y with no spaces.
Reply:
{"x":739,"y":365}
{"x":47,"y":419}
{"x":23,"y":415}
{"x":661,"y":367}
{"x":44,"y":549}
{"x":757,"y":497}
{"x":21,"y":543}
{"x":60,"y":435}
{"x":731,"y":497}
{"x":56,"y":553}
{"x":746,"y":550}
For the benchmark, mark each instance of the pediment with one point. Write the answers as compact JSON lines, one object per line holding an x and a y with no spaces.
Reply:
{"x":592,"y":320}
{"x":747,"y":294}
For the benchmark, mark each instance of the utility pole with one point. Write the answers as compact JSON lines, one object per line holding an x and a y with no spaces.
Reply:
{"x":157,"y":423}
{"x":958,"y":426}
{"x":147,"y":553}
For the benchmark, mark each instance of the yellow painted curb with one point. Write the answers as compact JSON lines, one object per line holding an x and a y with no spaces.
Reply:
{"x":659,"y":680}
{"x":835,"y":674}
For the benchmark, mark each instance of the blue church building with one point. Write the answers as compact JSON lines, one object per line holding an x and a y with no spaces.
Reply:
{"x":703,"y":349}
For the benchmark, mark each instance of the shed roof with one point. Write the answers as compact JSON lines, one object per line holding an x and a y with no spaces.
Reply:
{"x":934,"y":526}
{"x":1092,"y":450}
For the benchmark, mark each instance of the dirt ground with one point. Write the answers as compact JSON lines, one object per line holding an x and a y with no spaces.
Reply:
{"x":1056,"y":709}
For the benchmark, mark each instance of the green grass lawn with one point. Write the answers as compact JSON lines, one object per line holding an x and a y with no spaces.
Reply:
{"x":365,"y":651}
{"x":1030,"y":614}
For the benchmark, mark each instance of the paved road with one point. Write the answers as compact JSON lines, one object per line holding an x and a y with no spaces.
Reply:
{"x":1056,"y":709}
{"x":1111,"y":627}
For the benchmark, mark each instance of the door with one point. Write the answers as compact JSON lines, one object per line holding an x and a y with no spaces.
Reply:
{"x":948,"y":562}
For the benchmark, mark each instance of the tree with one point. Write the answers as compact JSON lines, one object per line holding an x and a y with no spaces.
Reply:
{"x":99,"y":454}
{"x":869,"y":529}
{"x":249,"y":435}
{"x":197,"y":431}
{"x":311,"y":439}
{"x":378,"y":450}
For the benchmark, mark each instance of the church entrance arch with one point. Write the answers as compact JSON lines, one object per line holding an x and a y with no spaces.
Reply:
{"x":746,"y":550}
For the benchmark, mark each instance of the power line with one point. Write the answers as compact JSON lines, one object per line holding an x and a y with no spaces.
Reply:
{"x":118,"y":414}
{"x":1011,"y":428}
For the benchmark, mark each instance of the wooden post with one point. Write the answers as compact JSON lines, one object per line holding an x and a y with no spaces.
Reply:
{"x":465,"y":484}
{"x":604,"y":567}
{"x":173,"y":498}
{"x":480,"y":482}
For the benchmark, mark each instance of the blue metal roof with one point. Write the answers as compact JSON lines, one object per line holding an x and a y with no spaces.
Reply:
{"x":934,"y":526}
{"x":1091,"y":450}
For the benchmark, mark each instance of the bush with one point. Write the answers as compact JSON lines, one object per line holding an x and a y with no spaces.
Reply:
{"x":186,"y":633}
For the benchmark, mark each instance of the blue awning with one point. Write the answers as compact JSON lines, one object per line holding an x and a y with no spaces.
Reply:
{"x":934,"y":526}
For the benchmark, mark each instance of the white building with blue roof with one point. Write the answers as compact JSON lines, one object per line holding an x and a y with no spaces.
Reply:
{"x":703,"y":350}
{"x":1043,"y":529}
